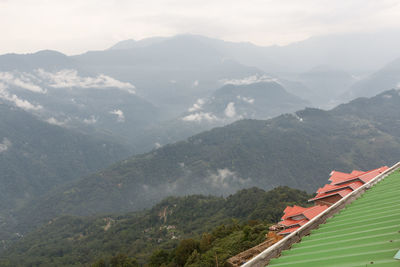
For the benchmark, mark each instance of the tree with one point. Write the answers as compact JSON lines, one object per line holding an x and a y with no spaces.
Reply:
{"x":184,"y":250}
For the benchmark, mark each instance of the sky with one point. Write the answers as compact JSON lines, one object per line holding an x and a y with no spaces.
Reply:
{"x":76,"y":26}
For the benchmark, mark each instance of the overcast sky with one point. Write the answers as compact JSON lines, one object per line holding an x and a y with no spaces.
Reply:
{"x":75,"y":26}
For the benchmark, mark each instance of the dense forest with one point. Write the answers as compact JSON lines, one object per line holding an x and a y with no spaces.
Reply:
{"x":196,"y":229}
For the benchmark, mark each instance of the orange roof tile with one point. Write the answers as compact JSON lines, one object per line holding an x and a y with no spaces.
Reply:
{"x":288,"y":230}
{"x":365,"y":177}
{"x":314,"y":211}
{"x":339,"y":176}
{"x":289,"y":222}
{"x":342,"y":193}
{"x":292,"y":211}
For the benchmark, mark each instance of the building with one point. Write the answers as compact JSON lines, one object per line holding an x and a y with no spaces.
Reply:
{"x":296,"y":216}
{"x":361,"y":229}
{"x":343,"y":184}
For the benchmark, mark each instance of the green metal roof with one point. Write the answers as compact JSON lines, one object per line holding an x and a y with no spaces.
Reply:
{"x":365,"y":233}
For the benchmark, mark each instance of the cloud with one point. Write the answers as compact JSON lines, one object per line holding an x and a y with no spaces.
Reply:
{"x":68,"y":78}
{"x":157,"y":145}
{"x":200,"y":116}
{"x":5,"y":145}
{"x":250,"y":80}
{"x":197,"y":106}
{"x":101,"y":23}
{"x":297,"y":116}
{"x":225,"y":178}
{"x":24,"y":81}
{"x":230,"y":110}
{"x":119,"y":113}
{"x":91,"y":120}
{"x":21,"y":103}
{"x":196,"y":83}
{"x":248,"y":100}
{"x":54,"y":121}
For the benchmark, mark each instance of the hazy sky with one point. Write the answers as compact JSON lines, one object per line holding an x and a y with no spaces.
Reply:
{"x":75,"y":26}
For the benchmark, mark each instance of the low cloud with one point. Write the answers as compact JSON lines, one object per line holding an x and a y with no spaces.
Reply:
{"x":5,"y":145}
{"x":21,"y":103}
{"x":248,"y":100}
{"x":250,"y":80}
{"x":119,"y":113}
{"x":200,"y":116}
{"x":23,"y":81}
{"x":54,"y":121}
{"x":68,"y":78}
{"x":225,"y":178}
{"x":230,"y":110}
{"x":296,"y":116}
{"x":197,"y":106}
{"x":157,"y":145}
{"x":91,"y":120}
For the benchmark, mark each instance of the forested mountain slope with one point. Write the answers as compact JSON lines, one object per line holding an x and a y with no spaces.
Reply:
{"x":36,"y":156}
{"x":298,"y":150}
{"x":74,"y":241}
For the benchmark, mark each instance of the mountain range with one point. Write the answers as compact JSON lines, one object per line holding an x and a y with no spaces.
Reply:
{"x":118,"y":130}
{"x":298,"y":149}
{"x":136,"y":91}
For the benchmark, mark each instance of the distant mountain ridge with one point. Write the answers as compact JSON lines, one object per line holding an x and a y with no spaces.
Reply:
{"x":386,"y":77}
{"x":357,"y":135}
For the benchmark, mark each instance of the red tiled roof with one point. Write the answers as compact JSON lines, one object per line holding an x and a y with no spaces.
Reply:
{"x":328,"y":189}
{"x":288,"y":230}
{"x":341,"y":176}
{"x":292,"y":211}
{"x":342,"y":193}
{"x":341,"y":184}
{"x":314,"y":211}
{"x":365,"y":177}
{"x":346,"y":182}
{"x":355,"y":172}
{"x":289,"y":222}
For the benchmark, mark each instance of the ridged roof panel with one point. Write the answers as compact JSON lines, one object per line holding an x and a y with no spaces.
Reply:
{"x":365,"y":233}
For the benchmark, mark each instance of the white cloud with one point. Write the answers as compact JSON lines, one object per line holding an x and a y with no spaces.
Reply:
{"x":250,"y":80}
{"x":196,"y":83}
{"x":225,"y":178}
{"x":248,"y":100}
{"x":157,"y":145}
{"x":297,"y":117}
{"x":54,"y":121}
{"x":230,"y":110}
{"x":91,"y":120}
{"x":387,"y":96}
{"x":68,"y":78}
{"x":200,"y":116}
{"x":119,"y":113}
{"x":197,"y":106}
{"x":23,"y":81}
{"x":5,"y":145}
{"x":21,"y":103}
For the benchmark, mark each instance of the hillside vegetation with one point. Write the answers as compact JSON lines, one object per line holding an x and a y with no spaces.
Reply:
{"x":36,"y":157}
{"x":75,"y":241}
